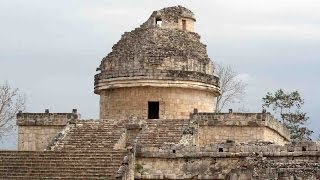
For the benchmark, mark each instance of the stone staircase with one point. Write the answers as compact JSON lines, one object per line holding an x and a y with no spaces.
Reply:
{"x":91,"y":135}
{"x":59,"y":165}
{"x":84,"y":152}
{"x":158,"y":133}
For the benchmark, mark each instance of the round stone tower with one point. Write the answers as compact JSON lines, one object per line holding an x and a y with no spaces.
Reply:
{"x":160,"y":70}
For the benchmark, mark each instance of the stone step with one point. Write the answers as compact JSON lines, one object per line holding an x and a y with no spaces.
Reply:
{"x":161,"y":132}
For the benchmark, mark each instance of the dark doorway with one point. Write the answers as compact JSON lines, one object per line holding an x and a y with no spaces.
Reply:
{"x":153,"y":110}
{"x":184,"y":25}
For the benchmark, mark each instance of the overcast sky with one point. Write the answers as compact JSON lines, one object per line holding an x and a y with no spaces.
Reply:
{"x":50,"y":49}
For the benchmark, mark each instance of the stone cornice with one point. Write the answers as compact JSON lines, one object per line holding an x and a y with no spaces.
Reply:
{"x":157,"y":78}
{"x":46,"y":119}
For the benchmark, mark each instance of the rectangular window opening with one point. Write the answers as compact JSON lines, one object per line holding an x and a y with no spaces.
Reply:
{"x":153,"y":110}
{"x":159,"y":22}
{"x":184,"y":24}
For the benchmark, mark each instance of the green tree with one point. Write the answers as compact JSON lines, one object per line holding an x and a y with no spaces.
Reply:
{"x":288,"y":106}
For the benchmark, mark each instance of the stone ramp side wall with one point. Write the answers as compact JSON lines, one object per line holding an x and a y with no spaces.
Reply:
{"x":36,"y":130}
{"x":36,"y":138}
{"x":239,"y":127}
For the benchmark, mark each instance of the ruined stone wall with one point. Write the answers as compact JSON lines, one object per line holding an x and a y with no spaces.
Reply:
{"x":36,"y":130}
{"x":230,"y":161}
{"x":158,"y":49}
{"x":171,"y":18}
{"x":189,"y":24}
{"x":240,"y":168}
{"x":175,"y":103}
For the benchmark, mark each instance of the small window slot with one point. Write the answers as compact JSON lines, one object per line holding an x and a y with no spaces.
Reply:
{"x":184,"y":25}
{"x":159,"y":22}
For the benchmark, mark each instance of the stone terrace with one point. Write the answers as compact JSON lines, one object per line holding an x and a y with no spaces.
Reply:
{"x":249,"y":119}
{"x":239,"y":127}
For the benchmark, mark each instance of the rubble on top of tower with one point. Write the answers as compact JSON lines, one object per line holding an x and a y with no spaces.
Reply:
{"x":171,"y":50}
{"x":168,"y":15}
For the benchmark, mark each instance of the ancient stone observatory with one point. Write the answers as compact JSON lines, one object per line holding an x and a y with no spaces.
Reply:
{"x":156,"y":88}
{"x":160,"y":70}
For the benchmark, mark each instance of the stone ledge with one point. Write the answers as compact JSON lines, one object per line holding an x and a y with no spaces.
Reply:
{"x":121,"y":83}
{"x":226,"y":155}
{"x":155,"y":74}
{"x":46,"y":119}
{"x":300,"y":149}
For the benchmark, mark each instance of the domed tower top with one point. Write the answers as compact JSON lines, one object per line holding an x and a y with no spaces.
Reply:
{"x":161,"y":63}
{"x":170,"y":51}
{"x":176,"y":17}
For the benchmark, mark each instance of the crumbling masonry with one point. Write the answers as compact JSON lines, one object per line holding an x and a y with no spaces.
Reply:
{"x":157,"y":93}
